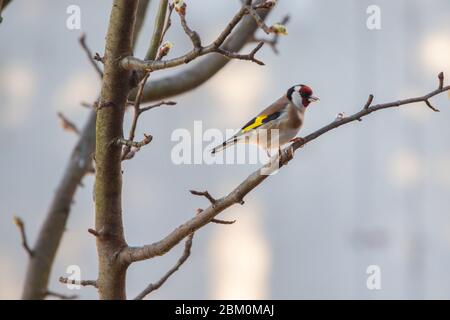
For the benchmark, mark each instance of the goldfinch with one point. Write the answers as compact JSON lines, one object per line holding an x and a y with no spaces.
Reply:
{"x":276,"y":125}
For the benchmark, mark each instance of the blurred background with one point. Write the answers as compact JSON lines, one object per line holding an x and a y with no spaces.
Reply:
{"x":370,"y":193}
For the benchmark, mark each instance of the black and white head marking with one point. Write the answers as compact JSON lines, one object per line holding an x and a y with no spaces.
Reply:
{"x":301,"y":95}
{"x":294,"y":96}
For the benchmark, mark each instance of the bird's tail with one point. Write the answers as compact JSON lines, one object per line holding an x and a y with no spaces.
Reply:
{"x":226,"y":144}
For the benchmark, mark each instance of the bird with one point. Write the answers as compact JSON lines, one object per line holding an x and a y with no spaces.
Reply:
{"x":277,"y":124}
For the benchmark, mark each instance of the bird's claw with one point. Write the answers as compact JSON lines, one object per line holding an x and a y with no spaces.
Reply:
{"x":298,"y":140}
{"x":290,"y":153}
{"x":284,"y":156}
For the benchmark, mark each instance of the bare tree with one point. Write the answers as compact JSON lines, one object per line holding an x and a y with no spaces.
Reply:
{"x":124,"y":82}
{"x":80,"y":163}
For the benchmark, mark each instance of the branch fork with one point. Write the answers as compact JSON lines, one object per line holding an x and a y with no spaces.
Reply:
{"x":205,"y":194}
{"x":132,"y":63}
{"x":213,"y":201}
{"x":136,"y":144}
{"x":21,"y":225}
{"x":205,"y":216}
{"x":273,"y":43}
{"x":91,"y":57}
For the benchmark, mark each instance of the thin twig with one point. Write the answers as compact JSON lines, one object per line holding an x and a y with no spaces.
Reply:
{"x":87,"y":105}
{"x":154,"y":286}
{"x":136,"y":115}
{"x":140,"y":19}
{"x":249,"y":57}
{"x":441,"y":80}
{"x":259,"y":21}
{"x":268,"y":4}
{"x":156,"y":105}
{"x":429,"y":105}
{"x":369,"y":101}
{"x":21,"y":225}
{"x":136,"y":144}
{"x":273,"y":43}
{"x":219,"y":221}
{"x":132,"y":63}
{"x":157,"y":39}
{"x":91,"y":57}
{"x":168,"y":22}
{"x":83,"y":283}
{"x":66,"y":124}
{"x":94,"y":232}
{"x":193,"y":35}
{"x":204,"y":194}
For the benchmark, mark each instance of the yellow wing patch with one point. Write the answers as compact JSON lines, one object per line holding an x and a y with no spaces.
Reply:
{"x":255,"y":124}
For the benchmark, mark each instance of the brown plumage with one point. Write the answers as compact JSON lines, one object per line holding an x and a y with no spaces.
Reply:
{"x":277,"y":124}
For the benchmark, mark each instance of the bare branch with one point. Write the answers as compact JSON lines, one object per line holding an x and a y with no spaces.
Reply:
{"x":429,"y":105}
{"x":80,"y":162}
{"x":273,"y":43}
{"x":140,"y":19}
{"x":94,"y":232}
{"x":132,"y":254}
{"x":156,"y":105}
{"x":60,"y":295}
{"x":136,"y":144}
{"x":136,"y":115}
{"x":204,"y":194}
{"x":158,"y":54}
{"x":90,"y":56}
{"x":218,"y":221}
{"x":441,"y":80}
{"x":20,"y":224}
{"x":66,"y":124}
{"x":87,"y":105}
{"x":212,"y":201}
{"x":168,"y":22}
{"x":259,"y":21}
{"x":158,"y":30}
{"x":154,"y":286}
{"x":83,"y":283}
{"x":369,"y":101}
{"x":249,"y":57}
{"x":193,"y":35}
{"x":50,"y":234}
{"x":133,"y":63}
{"x":193,"y":76}
{"x":230,"y":27}
{"x":266,"y":4}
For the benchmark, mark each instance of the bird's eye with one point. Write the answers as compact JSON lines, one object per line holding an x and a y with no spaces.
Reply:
{"x":305,"y":91}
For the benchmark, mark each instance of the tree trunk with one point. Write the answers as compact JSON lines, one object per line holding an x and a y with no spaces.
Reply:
{"x":109,"y":127}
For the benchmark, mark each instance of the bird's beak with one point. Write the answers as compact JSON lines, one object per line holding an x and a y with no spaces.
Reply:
{"x":313,"y":99}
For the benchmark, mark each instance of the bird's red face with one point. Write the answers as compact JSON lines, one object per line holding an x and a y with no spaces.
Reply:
{"x":306,"y":94}
{"x":301,"y":95}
